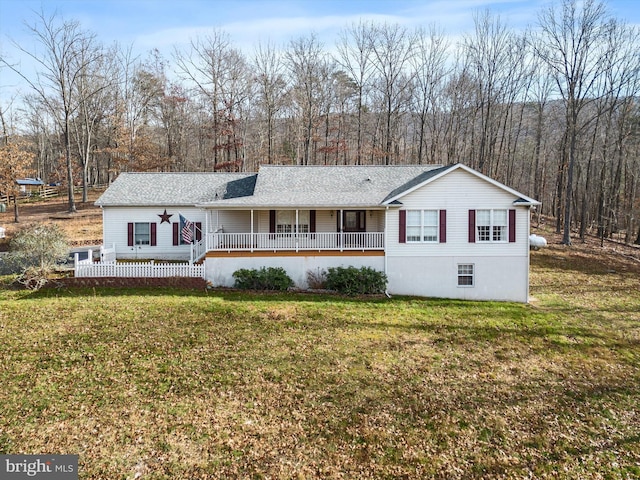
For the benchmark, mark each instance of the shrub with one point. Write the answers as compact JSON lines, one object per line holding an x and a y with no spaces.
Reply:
{"x":318,"y":279}
{"x":272,"y":278}
{"x":355,"y":281}
{"x":34,"y":251}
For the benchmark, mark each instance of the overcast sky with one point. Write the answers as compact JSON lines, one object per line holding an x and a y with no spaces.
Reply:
{"x":162,"y":24}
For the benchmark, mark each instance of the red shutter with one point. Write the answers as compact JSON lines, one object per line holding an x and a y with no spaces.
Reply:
{"x":472,"y":226}
{"x":512,"y":226}
{"x":402,"y":231}
{"x":176,"y":233}
{"x":154,"y":236}
{"x":198,"y":231}
{"x":130,"y":234}
{"x":312,"y":221}
{"x":443,"y":226}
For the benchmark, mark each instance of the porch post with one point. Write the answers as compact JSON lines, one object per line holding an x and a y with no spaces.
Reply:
{"x":251,"y":239}
{"x":296,"y":230}
{"x":341,"y":230}
{"x":386,"y":239}
{"x":207,"y":214}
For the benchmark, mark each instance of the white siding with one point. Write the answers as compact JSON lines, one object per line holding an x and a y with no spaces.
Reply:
{"x":457,"y":193}
{"x":232,"y":221}
{"x":430,"y":269}
{"x":114,"y":224}
{"x":325,"y":222}
{"x":496,"y":278}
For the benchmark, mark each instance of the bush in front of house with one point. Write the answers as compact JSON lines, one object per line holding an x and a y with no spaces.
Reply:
{"x":317,"y":279}
{"x":272,"y":278}
{"x":355,"y":281}
{"x":34,"y":252}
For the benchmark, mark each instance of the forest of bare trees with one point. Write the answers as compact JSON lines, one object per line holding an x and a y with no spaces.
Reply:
{"x":552,"y":112}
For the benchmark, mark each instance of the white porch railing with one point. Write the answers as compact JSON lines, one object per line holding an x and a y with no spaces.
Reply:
{"x":85,"y":268}
{"x":295,"y":242}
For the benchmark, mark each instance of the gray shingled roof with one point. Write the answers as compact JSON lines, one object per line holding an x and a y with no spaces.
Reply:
{"x":149,"y":189}
{"x":326,"y":186}
{"x":278,"y":186}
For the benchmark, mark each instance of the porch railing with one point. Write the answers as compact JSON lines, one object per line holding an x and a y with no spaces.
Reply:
{"x":295,"y":242}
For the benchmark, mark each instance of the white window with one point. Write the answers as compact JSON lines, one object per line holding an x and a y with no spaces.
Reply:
{"x":286,"y":221}
{"x":492,"y":225}
{"x":465,"y":275}
{"x":142,"y":234}
{"x":422,"y":225}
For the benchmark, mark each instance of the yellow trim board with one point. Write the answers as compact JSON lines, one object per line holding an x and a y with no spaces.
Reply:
{"x":303,"y":253}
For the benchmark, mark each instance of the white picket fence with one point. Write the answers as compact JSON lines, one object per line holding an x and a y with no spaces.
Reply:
{"x":151,"y":269}
{"x":108,"y":267}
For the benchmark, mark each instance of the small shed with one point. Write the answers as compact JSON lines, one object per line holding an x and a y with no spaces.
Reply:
{"x":27,"y":185}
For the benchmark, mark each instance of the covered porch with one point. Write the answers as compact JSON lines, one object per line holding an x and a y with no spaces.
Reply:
{"x":292,"y":230}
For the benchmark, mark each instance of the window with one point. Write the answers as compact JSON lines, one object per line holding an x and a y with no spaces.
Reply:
{"x":492,"y":225}
{"x":286,"y":221}
{"x":465,"y":275}
{"x":142,"y":234}
{"x":422,"y":225}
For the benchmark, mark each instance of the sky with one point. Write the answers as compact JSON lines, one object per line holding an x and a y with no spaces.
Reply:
{"x":165,"y":24}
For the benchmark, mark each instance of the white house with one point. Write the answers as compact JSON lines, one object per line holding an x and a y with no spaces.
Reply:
{"x":436,"y":231}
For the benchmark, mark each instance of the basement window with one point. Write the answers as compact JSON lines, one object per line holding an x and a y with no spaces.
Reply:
{"x":466,"y":275}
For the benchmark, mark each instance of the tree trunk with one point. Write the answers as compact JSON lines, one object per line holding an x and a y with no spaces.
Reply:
{"x":16,"y":216}
{"x":67,"y":141}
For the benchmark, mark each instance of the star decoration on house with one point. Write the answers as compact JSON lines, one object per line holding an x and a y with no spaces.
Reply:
{"x":164,"y":217}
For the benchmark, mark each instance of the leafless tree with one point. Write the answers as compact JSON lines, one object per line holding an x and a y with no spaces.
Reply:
{"x":393,"y":49}
{"x":572,"y":42}
{"x":308,"y":69}
{"x":354,"y":55}
{"x":270,"y":86}
{"x":67,"y":52}
{"x":430,"y":66}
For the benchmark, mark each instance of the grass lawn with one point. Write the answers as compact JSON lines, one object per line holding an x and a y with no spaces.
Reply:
{"x":187,"y":385}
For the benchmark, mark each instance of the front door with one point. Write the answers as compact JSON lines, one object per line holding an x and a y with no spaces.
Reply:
{"x":354,"y":221}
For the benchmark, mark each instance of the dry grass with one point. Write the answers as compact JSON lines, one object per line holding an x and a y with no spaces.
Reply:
{"x":83,"y":227}
{"x":165,"y":384}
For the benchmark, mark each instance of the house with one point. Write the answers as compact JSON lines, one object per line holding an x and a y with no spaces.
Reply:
{"x":436,"y":231}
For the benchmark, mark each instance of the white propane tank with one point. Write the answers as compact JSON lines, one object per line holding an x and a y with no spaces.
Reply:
{"x":536,"y":242}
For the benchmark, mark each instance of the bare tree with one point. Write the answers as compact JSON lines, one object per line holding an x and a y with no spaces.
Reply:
{"x":572,"y":42}
{"x":220,"y":75}
{"x":67,"y":52}
{"x":307,"y":64}
{"x":92,"y":89}
{"x":354,"y":56}
{"x":393,"y":48}
{"x":270,"y":85}
{"x":430,"y":65}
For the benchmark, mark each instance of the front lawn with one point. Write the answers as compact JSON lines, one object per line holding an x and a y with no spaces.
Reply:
{"x":150,"y":383}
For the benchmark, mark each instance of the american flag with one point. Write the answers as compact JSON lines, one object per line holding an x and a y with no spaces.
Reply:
{"x":186,"y":230}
